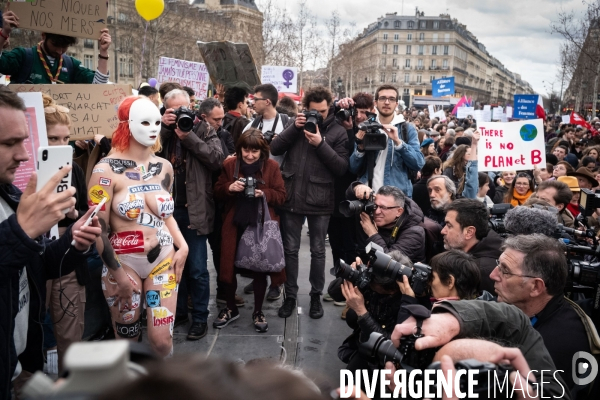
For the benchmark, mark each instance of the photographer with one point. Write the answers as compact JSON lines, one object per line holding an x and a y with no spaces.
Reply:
{"x":394,"y":223}
{"x":466,"y":228}
{"x":402,"y":154}
{"x":195,"y":155}
{"x":531,"y":275}
{"x":317,"y":154}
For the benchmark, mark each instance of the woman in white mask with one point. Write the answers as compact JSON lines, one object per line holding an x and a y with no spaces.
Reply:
{"x":141,"y":246}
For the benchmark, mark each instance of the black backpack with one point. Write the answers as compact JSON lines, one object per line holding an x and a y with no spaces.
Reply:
{"x":27,"y":66}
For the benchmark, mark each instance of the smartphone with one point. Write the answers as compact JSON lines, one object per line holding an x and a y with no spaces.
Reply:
{"x":50,"y":160}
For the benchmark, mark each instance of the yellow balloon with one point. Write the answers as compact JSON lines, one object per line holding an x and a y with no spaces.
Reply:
{"x":150,"y":9}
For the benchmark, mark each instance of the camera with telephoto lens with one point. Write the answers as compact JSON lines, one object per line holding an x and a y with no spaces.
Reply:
{"x":350,"y":208}
{"x":381,"y":350}
{"x":345,"y":113}
{"x":313,"y":119}
{"x":359,"y":277}
{"x":249,"y":187}
{"x":185,"y":119}
{"x":375,"y":138}
{"x":496,"y":221}
{"x":268,"y":136}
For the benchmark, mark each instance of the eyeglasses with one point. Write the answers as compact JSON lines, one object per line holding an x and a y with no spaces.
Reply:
{"x":505,"y":272}
{"x":384,"y":208}
{"x":386,"y":99}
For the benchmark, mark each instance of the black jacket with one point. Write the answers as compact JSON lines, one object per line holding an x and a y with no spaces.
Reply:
{"x":486,"y":252}
{"x":421,"y":195}
{"x":411,"y":236}
{"x":564,"y":335}
{"x":309,"y":172}
{"x":226,"y":142}
{"x":342,"y":183}
{"x":42,"y":260}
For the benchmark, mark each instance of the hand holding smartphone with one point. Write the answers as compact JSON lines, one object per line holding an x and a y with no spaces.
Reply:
{"x":50,"y":160}
{"x":91,"y":217}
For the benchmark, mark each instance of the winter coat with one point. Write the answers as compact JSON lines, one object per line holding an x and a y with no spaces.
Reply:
{"x":309,"y":172}
{"x":203,"y":156}
{"x":420,"y":195}
{"x":398,"y":162}
{"x":486,"y":252}
{"x":42,"y":260}
{"x":274,"y":191}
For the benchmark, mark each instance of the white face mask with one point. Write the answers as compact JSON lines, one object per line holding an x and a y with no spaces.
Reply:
{"x":144,"y":122}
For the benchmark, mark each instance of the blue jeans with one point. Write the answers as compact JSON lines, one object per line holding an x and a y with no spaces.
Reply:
{"x":195,"y":275}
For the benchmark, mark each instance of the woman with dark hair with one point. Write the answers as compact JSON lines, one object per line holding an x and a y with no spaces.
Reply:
{"x":455,"y":167}
{"x":520,"y":190}
{"x":251,"y":160}
{"x":588,"y":162}
{"x":484,"y":187}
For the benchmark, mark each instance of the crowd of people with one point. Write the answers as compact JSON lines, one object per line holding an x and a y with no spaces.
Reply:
{"x":170,"y":187}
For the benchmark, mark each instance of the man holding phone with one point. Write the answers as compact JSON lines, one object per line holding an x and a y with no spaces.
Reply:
{"x":27,"y":259}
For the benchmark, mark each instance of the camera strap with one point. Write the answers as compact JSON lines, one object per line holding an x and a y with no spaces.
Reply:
{"x":396,"y":229}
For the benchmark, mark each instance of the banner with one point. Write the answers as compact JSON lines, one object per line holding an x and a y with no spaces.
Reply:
{"x":442,"y":87}
{"x":93,"y":108}
{"x":36,"y":124}
{"x":285,"y":79}
{"x":509,"y":146}
{"x":230,"y":64}
{"x":525,"y":106}
{"x":464,"y":112}
{"x":186,"y":73}
{"x":84,"y":19}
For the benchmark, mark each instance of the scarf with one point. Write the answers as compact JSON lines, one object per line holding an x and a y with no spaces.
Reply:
{"x":246,"y":210}
{"x":518,"y":200}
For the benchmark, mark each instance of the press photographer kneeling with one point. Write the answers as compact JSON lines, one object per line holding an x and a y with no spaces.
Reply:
{"x":390,"y":219}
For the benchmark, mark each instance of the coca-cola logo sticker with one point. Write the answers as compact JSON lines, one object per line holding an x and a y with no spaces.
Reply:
{"x":127,"y":242}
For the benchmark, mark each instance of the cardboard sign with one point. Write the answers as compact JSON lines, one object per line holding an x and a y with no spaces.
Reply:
{"x":36,"y":124}
{"x":230,"y":64}
{"x":464,"y":112}
{"x":93,"y":108}
{"x":186,"y":73}
{"x":79,"y":18}
{"x":285,"y":79}
{"x":510,"y":146}
{"x":442,"y":87}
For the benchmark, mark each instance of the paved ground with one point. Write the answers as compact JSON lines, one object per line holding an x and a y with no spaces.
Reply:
{"x":309,"y":344}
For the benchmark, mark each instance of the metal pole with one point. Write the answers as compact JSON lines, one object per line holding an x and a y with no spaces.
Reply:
{"x":595,"y":98}
{"x":562,"y":82}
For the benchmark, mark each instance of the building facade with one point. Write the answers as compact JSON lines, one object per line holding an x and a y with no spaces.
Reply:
{"x":411,"y":51}
{"x":174,"y":34}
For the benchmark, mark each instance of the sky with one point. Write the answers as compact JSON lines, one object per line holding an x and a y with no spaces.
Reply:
{"x":516,"y":32}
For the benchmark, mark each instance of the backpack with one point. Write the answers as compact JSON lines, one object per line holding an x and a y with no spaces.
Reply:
{"x":27,"y":66}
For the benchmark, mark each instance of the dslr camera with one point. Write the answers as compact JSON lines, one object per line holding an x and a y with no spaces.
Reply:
{"x":249,"y":187}
{"x":185,"y":119}
{"x":375,"y":137}
{"x":383,"y":265}
{"x":350,"y":208}
{"x":268,"y":136}
{"x":496,"y":221}
{"x":345,"y":113}
{"x":313,"y":119}
{"x":589,"y":201}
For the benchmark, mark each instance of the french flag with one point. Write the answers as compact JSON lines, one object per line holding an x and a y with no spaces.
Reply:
{"x":539,"y":109}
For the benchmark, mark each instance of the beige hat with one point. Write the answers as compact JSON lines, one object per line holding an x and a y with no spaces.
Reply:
{"x":571,"y":182}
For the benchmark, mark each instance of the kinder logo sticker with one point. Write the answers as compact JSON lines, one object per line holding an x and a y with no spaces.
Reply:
{"x":161,"y":316}
{"x":152,"y":298}
{"x":127,"y":242}
{"x":150,"y":221}
{"x":134,"y":176}
{"x":128,"y":316}
{"x":164,"y":238}
{"x":165,"y":205}
{"x":128,"y":331}
{"x":161,"y":268}
{"x":144,"y":188}
{"x":104,"y":182}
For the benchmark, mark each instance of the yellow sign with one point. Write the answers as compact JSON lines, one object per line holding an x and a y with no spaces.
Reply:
{"x":161,"y":268}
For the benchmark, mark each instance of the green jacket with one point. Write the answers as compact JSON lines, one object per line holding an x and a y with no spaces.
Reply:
{"x":11,"y":63}
{"x":507,"y":324}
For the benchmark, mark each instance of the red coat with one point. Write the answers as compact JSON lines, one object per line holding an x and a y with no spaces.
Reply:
{"x":273,"y":188}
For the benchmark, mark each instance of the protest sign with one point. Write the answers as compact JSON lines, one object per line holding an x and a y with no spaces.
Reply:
{"x":230,"y":64}
{"x":93,"y":108}
{"x":186,"y":73}
{"x":510,"y":146}
{"x":84,"y":19}
{"x":497,"y":113}
{"x":566,"y":119}
{"x":487,"y":113}
{"x":442,"y":87}
{"x":285,"y":79}
{"x":441,"y":115}
{"x":431,"y":109}
{"x":478,"y":116}
{"x":36,"y":124}
{"x":525,"y":106}
{"x":509,"y":112}
{"x":464,"y":112}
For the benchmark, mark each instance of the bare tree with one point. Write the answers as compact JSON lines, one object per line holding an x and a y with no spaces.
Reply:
{"x":333,"y":28}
